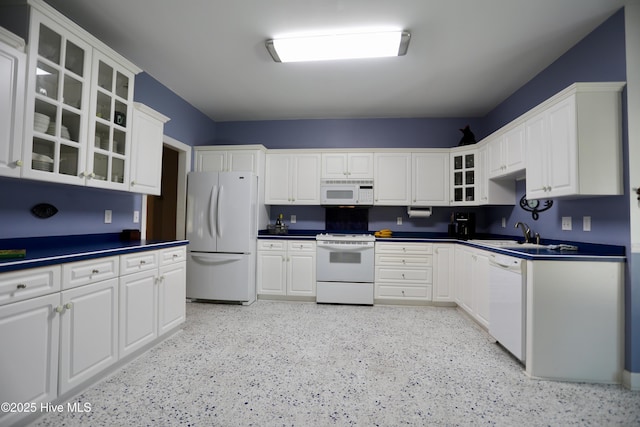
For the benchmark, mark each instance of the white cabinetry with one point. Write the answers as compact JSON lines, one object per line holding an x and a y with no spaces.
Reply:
{"x":287,"y":268}
{"x":146,"y":154}
{"x":248,"y":158}
{"x":403,"y":271}
{"x":430,"y":179}
{"x":506,"y":152}
{"x":292,"y":179}
{"x":575,"y":321}
{"x":464,"y":171}
{"x":472,"y":282}
{"x":573,"y":143}
{"x":63,"y":325}
{"x":347,"y":165}
{"x":489,"y":191}
{"x":12,"y":91}
{"x":29,"y":332}
{"x":443,"y":268}
{"x":392,"y":179}
{"x":152,"y":295}
{"x":89,"y":332}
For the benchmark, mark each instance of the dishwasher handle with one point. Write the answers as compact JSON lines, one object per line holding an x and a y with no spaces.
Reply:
{"x":508,"y":263}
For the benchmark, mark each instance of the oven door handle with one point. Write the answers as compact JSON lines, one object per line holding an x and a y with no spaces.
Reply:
{"x":345,"y":248}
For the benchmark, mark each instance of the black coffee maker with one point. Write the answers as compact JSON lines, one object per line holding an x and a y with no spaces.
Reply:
{"x":465,"y":225}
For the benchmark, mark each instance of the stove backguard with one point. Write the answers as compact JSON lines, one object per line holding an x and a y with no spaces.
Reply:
{"x":347,"y":219}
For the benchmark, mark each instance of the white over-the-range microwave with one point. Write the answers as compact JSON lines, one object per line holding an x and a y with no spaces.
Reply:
{"x":346,"y":192}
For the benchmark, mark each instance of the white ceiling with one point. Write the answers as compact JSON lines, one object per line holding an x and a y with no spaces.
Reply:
{"x":465,"y":56}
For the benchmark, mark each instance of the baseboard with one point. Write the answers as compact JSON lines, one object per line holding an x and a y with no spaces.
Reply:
{"x":631,"y":380}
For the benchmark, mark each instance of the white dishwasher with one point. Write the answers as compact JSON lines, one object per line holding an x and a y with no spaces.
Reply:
{"x":507,"y":303}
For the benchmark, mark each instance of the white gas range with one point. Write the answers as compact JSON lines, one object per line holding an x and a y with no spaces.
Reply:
{"x":345,"y":268}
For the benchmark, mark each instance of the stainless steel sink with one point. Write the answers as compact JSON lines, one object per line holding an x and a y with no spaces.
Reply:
{"x":495,"y":243}
{"x":508,"y":244}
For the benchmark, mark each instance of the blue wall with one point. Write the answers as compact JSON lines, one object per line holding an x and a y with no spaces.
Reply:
{"x":346,"y":133}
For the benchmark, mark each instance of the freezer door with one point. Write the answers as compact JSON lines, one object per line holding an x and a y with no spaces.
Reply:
{"x":202,"y":205}
{"x":236,"y":225}
{"x":224,"y":277}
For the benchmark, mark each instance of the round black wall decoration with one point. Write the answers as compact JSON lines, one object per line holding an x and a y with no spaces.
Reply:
{"x":533,"y":206}
{"x":44,"y":210}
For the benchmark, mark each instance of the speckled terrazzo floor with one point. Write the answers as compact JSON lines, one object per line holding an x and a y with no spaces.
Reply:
{"x":302,"y":364}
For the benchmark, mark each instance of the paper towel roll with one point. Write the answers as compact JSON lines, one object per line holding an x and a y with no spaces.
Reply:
{"x":419,"y":212}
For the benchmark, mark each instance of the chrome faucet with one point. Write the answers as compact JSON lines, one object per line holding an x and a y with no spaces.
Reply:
{"x":525,"y":230}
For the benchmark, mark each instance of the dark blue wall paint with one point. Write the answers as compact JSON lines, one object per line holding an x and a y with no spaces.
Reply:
{"x":80,"y":209}
{"x":600,"y":56}
{"x":346,"y":133}
{"x":188,"y":124}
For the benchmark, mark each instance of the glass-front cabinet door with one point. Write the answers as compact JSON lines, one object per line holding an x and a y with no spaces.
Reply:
{"x":110,"y":124}
{"x":464,"y":177}
{"x":57,"y":101}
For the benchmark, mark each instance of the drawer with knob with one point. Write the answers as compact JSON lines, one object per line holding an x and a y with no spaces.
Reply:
{"x":404,"y":292}
{"x":30,"y":283}
{"x":138,"y":261}
{"x":173,"y":255}
{"x":80,"y":273}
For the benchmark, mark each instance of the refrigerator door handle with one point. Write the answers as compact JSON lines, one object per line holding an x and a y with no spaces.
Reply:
{"x":218,"y":219}
{"x":213,"y":207}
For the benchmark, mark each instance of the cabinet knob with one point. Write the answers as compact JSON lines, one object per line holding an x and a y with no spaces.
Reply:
{"x":133,"y":183}
{"x":21,"y":286}
{"x":68,"y":306}
{"x":92,"y":175}
{"x":59,"y":309}
{"x":95,"y":271}
{"x":19,"y":163}
{"x":142,"y":262}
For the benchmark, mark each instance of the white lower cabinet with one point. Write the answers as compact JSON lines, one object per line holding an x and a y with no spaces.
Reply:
{"x":29,"y":333}
{"x":403,"y":271}
{"x":62,"y":325}
{"x":89,"y":332}
{"x":443,"y":268}
{"x":287,"y":268}
{"x":472,"y":282}
{"x":152,"y":299}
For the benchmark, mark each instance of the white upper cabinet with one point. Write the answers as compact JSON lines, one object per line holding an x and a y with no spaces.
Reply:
{"x":12,"y":86}
{"x":58,"y":103}
{"x":507,"y":152}
{"x":226,"y":158}
{"x":292,"y":179}
{"x":146,"y":152}
{"x":78,"y":121}
{"x":574,"y":143}
{"x":110,"y":124}
{"x":392,"y":179}
{"x":347,"y":165}
{"x":430,"y":179}
{"x":464,"y":179}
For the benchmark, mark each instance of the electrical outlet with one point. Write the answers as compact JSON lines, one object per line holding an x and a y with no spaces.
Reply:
{"x":566,"y":223}
{"x":504,"y":222}
{"x":586,"y":223}
{"x":107,"y":216}
{"x":136,"y":217}
{"x":399,"y":220}
{"x":293,"y":219}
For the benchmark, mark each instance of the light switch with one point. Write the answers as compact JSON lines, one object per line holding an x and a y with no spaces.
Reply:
{"x":399,"y":220}
{"x":293,"y":219}
{"x":136,"y":217}
{"x":107,"y":216}
{"x":586,"y":223}
{"x":566,"y":223}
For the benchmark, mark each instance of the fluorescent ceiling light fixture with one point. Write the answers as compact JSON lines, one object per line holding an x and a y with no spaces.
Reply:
{"x":339,"y":46}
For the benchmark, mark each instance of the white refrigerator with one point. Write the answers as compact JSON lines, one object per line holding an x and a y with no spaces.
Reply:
{"x":222,"y":232}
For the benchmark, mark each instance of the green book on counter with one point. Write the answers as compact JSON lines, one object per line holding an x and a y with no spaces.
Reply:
{"x":12,"y":253}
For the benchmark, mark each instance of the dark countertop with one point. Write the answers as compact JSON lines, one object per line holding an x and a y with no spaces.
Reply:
{"x":42,"y":251}
{"x":585,"y":252}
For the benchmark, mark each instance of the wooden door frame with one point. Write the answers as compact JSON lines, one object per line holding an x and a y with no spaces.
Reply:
{"x":184,"y":167}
